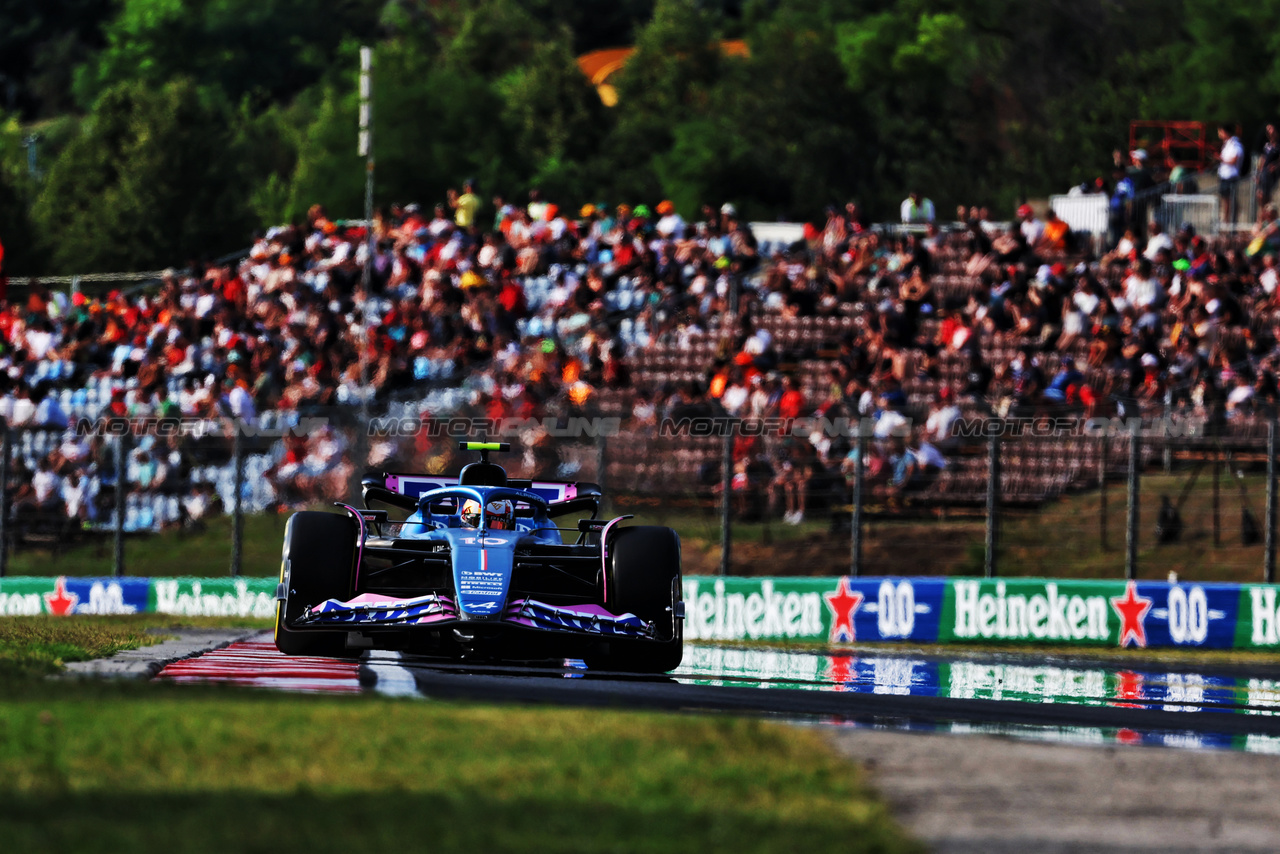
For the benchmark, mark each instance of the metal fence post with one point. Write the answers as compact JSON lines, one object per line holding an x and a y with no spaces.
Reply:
{"x":1102,"y":491}
{"x":1269,"y":547}
{"x":121,"y":486}
{"x":993,"y":498}
{"x":1217,"y":499}
{"x":237,"y":512}
{"x":1131,"y":524}
{"x":6,"y":447}
{"x":855,"y":545}
{"x":726,"y":505}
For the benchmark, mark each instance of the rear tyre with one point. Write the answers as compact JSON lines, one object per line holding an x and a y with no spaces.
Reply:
{"x":318,"y":564}
{"x":644,"y":579}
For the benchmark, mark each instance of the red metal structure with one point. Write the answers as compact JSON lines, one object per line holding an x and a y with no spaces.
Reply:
{"x":1186,"y":144}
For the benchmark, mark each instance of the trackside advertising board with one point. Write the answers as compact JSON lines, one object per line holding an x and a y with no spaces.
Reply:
{"x":188,"y":597}
{"x":832,"y":610}
{"x":971,"y":610}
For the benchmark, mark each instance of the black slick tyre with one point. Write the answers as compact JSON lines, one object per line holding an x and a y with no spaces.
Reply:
{"x":644,"y":579}
{"x":318,"y":564}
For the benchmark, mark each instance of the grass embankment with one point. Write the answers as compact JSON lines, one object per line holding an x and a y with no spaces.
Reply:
{"x":97,"y":766}
{"x":40,"y":646}
{"x":203,"y":554}
{"x":1062,"y":539}
{"x":277,"y":773}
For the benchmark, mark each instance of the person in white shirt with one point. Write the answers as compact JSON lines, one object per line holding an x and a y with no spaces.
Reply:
{"x":1269,"y":275}
{"x":942,"y":416}
{"x":47,"y":486}
{"x":1030,"y":226}
{"x":1141,"y":289}
{"x":24,"y":409}
{"x":75,"y":495}
{"x":670,"y":224}
{"x":1157,"y":242}
{"x":1229,"y":160}
{"x":735,"y":396}
{"x":1240,"y":398}
{"x":240,"y":402}
{"x":916,"y":209}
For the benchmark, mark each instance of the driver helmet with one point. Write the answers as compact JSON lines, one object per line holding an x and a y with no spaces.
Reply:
{"x":500,"y":512}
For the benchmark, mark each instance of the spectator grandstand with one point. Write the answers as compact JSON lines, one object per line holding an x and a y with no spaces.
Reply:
{"x":634,"y":313}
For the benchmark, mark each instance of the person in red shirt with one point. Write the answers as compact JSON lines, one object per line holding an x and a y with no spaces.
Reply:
{"x":792,"y":401}
{"x":511,"y":297}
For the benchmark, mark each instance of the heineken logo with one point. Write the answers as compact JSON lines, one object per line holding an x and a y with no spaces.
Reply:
{"x":1018,"y":616}
{"x":1266,"y":632}
{"x":213,"y":599}
{"x":716,"y":614}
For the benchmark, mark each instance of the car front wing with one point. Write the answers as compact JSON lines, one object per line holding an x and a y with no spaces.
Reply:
{"x":436,"y":610}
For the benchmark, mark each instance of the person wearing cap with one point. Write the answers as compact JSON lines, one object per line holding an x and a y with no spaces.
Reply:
{"x":670,"y":224}
{"x":917,"y":210}
{"x":1119,"y":206}
{"x":640,"y":224}
{"x":1030,"y":225}
{"x":1151,"y":386}
{"x":1143,"y":181}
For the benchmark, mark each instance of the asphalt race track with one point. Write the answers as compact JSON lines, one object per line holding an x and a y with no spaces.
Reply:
{"x":1007,"y":693}
{"x":992,"y":753}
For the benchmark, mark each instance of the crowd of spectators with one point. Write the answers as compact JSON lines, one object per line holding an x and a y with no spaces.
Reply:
{"x":535,"y":310}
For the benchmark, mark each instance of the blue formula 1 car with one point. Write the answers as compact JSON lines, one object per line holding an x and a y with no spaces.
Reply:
{"x":479,"y":570}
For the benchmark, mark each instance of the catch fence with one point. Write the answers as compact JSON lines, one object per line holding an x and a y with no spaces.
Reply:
{"x":1084,"y":499}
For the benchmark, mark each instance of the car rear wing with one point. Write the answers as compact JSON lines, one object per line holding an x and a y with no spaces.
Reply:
{"x":554,"y":491}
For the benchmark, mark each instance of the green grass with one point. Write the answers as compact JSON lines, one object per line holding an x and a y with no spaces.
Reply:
{"x":1064,"y":539}
{"x":110,"y":766}
{"x":204,"y":554}
{"x":40,"y":646}
{"x":282,"y":773}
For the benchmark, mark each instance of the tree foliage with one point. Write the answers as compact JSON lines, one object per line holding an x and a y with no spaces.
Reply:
{"x":267,"y":49}
{"x":154,"y":177}
{"x":203,"y":118}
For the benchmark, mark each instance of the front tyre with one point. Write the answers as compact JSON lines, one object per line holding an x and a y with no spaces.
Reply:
{"x":644,"y":579}
{"x":318,"y":564}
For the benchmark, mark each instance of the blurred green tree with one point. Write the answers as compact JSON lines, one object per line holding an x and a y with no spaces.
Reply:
{"x":269,"y":50}
{"x":154,"y":176}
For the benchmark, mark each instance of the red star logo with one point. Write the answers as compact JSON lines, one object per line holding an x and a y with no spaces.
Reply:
{"x":1129,"y":687}
{"x":1132,"y":609}
{"x":842,"y":604}
{"x":60,"y":602}
{"x":1128,"y":736}
{"x":839,"y":668}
